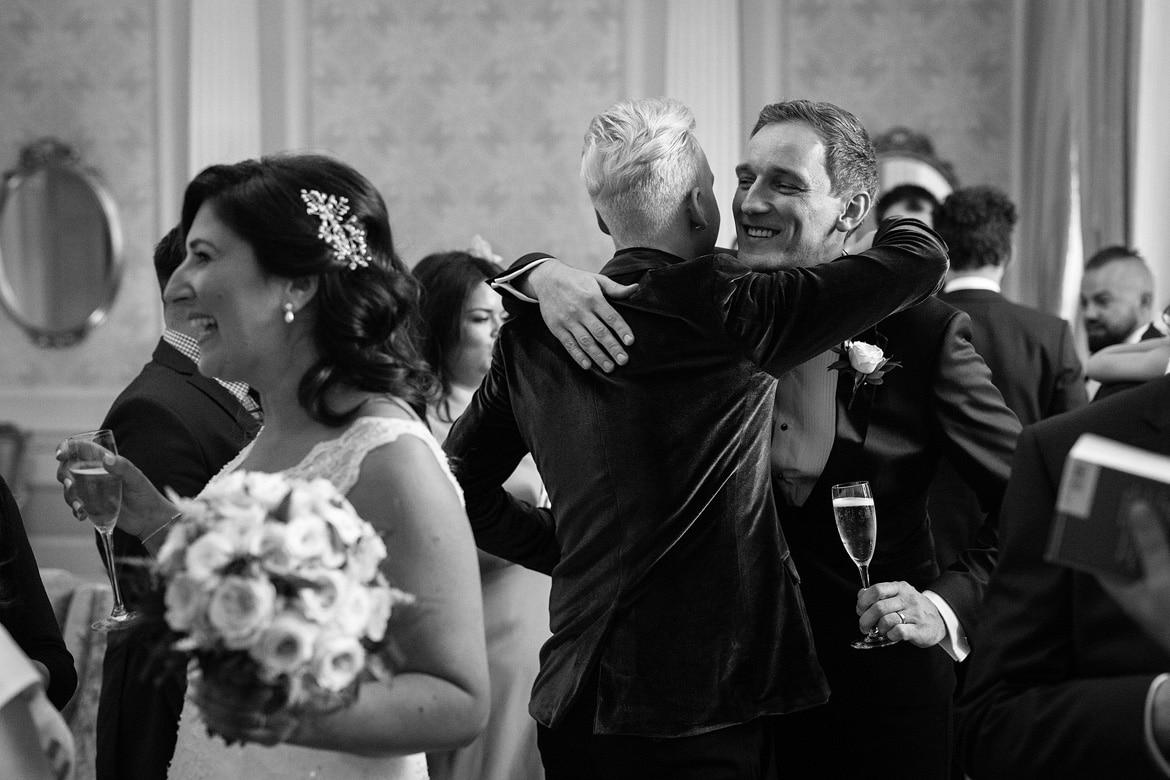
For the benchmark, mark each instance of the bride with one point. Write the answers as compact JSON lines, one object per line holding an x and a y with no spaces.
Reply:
{"x":296,"y":290}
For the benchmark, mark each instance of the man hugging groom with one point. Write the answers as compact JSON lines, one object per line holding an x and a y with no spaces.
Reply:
{"x":679,"y":632}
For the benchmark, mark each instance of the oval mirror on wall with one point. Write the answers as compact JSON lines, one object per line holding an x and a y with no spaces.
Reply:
{"x":60,"y":245}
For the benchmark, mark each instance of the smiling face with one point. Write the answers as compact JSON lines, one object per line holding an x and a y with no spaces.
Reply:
{"x":784,"y":210}
{"x":233,"y":307}
{"x":470,"y":358}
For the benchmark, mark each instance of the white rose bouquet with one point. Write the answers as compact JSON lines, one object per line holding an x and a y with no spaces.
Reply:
{"x":866,"y":362}
{"x":272,"y":585}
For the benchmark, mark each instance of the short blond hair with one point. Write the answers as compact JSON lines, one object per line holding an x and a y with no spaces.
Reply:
{"x":640,"y":160}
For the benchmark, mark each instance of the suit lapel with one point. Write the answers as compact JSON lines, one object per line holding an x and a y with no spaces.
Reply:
{"x":172,"y":358}
{"x":852,"y":418}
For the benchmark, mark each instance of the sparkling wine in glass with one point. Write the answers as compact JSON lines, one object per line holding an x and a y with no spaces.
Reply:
{"x":856,"y":519}
{"x":101,"y":494}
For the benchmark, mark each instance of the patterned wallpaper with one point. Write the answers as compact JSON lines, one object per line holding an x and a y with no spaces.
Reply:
{"x":84,"y":72}
{"x":469,"y":116}
{"x":942,"y":67}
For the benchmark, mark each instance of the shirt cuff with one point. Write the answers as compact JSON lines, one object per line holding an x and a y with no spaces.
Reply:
{"x":1151,"y":743}
{"x":503,"y":282}
{"x":955,"y":642}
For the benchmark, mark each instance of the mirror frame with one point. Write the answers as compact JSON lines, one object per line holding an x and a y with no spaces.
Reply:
{"x":45,"y":153}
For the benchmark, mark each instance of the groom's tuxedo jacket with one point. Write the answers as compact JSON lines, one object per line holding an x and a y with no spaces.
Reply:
{"x":671,"y":578}
{"x":939,"y":403}
{"x":180,"y":428}
{"x":1058,"y":684}
{"x":1034,"y":364}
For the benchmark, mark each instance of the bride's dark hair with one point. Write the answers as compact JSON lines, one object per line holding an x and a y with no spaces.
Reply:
{"x":365,"y":319}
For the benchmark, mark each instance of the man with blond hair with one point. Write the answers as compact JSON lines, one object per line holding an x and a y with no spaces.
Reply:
{"x":678,"y":628}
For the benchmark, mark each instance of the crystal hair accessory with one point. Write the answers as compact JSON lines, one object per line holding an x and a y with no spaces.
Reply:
{"x":344,"y":235}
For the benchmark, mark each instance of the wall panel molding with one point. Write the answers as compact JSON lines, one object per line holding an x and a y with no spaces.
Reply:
{"x":702,"y":71}
{"x":1151,"y":187}
{"x":224,"y":99}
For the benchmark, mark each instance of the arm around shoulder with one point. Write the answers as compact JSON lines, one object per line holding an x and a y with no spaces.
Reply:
{"x":788,"y":316}
{"x":1138,"y":362}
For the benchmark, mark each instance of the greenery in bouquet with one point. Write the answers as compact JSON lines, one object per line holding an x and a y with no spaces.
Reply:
{"x":272,"y":585}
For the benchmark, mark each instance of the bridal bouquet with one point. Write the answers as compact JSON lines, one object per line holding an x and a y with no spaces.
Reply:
{"x":273,"y":586}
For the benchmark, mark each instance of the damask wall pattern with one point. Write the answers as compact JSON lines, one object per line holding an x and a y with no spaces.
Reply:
{"x":469,"y":115}
{"x":84,"y":72}
{"x":942,"y":67}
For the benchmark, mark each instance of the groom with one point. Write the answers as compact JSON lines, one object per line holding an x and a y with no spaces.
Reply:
{"x":678,"y":628}
{"x":830,"y":428}
{"x":839,"y":426}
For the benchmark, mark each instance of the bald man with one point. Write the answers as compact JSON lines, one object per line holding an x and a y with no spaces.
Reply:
{"x":1117,"y":304}
{"x":1117,"y":298}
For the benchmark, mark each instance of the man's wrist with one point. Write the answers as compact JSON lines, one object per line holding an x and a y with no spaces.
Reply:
{"x":531,"y":283}
{"x":516,"y":282}
{"x":954,"y":641}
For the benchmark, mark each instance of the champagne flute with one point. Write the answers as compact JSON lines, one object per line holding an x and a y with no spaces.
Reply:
{"x":856,"y":518}
{"x":101,"y":495}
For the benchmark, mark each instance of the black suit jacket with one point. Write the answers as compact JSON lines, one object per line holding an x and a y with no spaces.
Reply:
{"x":25,"y":609}
{"x":1034,"y":363}
{"x":180,"y":428}
{"x":940,"y":403}
{"x":671,"y":579}
{"x":1112,"y":388}
{"x":1058,"y":685}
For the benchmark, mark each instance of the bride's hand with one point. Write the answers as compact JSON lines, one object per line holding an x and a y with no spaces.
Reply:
{"x":143,"y":509}
{"x":242,"y":724}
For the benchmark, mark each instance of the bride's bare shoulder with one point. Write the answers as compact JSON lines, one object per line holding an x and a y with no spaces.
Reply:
{"x":390,"y":407}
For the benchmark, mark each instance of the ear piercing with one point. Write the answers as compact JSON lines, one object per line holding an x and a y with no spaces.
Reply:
{"x":288,"y":312}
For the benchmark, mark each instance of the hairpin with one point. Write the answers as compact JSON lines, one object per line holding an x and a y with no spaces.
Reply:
{"x":344,"y":235}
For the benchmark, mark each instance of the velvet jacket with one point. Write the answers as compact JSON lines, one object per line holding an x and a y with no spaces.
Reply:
{"x":671,"y":577}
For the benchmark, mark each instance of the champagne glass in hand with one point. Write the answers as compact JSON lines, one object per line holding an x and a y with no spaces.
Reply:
{"x":101,"y":494}
{"x":856,"y":519}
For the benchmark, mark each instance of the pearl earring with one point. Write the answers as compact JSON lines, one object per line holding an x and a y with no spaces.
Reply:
{"x":288,"y":312}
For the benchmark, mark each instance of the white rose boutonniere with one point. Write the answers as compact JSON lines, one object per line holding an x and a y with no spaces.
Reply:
{"x":866,"y":362}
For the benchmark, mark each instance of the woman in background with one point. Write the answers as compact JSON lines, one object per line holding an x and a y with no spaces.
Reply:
{"x":462,"y":317}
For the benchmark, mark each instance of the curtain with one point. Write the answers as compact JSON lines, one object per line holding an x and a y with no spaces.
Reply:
{"x":1076,"y":94}
{"x":1103,"y":122}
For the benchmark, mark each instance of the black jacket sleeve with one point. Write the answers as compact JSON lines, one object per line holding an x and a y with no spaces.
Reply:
{"x":25,"y":609}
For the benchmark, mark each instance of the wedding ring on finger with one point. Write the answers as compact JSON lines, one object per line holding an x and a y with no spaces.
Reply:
{"x":901,"y":617}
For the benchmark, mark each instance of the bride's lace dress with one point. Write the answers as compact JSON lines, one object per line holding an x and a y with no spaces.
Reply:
{"x":200,"y":757}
